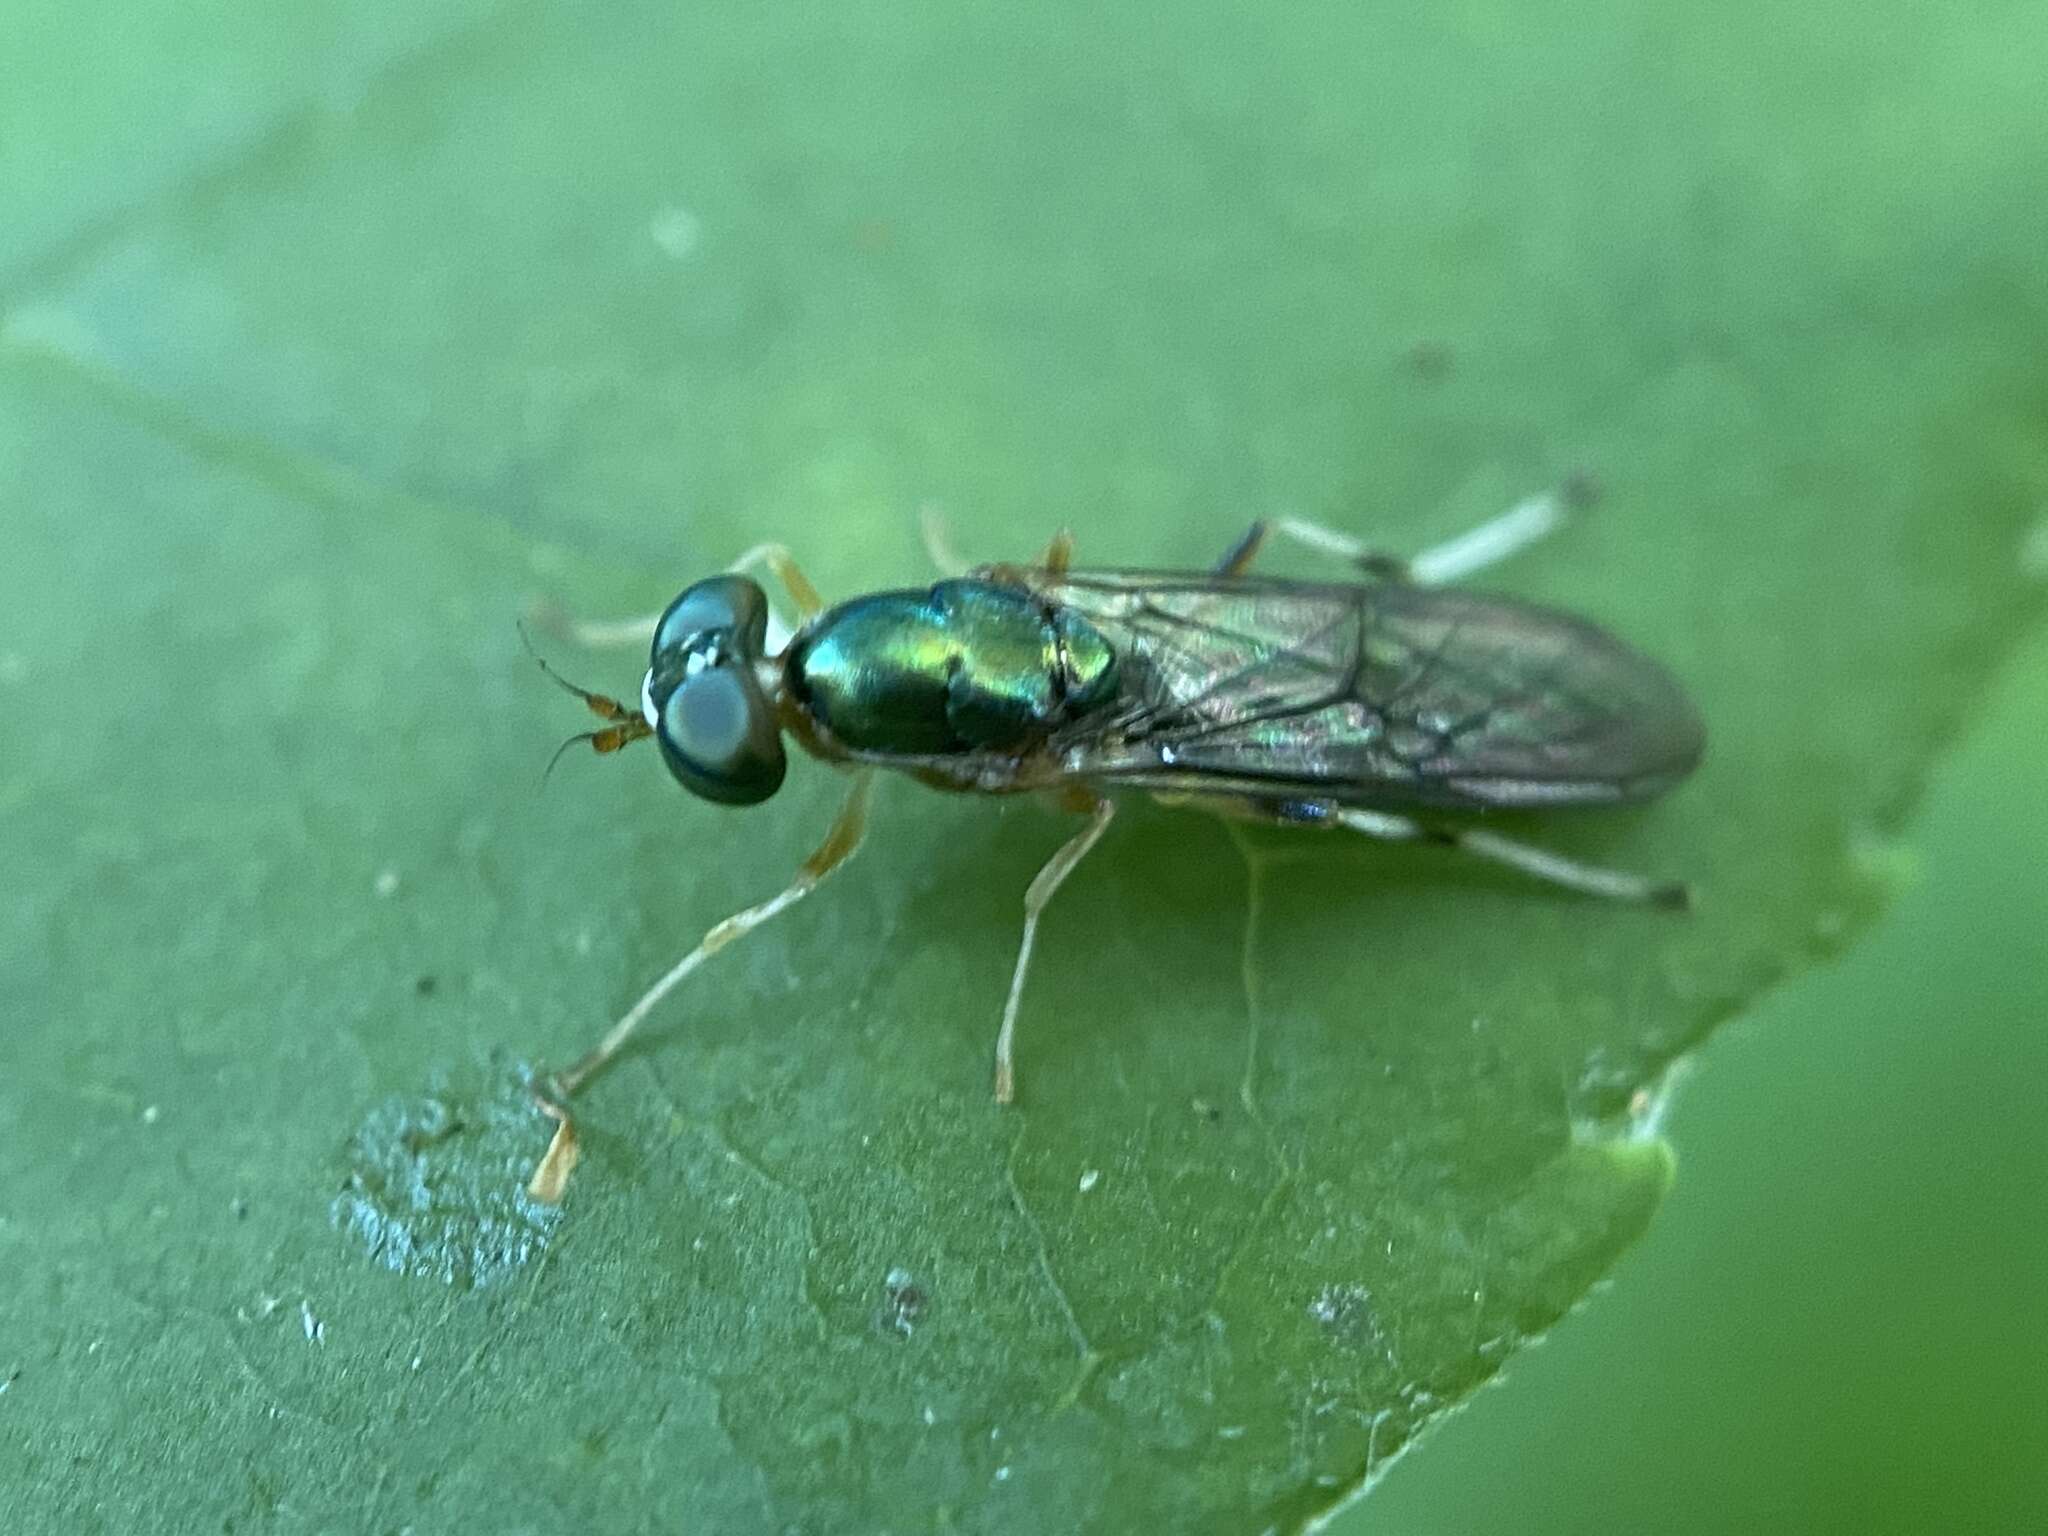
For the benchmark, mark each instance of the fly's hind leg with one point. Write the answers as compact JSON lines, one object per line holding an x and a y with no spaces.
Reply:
{"x":1036,"y":896}
{"x":1528,"y":521}
{"x":1555,"y":868}
{"x":553,"y":1093}
{"x":1239,"y":557}
{"x":1541,"y":863}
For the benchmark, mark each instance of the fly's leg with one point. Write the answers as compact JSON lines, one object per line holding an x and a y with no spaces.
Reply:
{"x":639,"y":630}
{"x":938,"y":541}
{"x":785,"y":570}
{"x":1493,"y":541}
{"x":1058,"y":558}
{"x":553,"y":1093}
{"x":636,"y":633}
{"x":1239,"y":557}
{"x":1040,"y":891}
{"x":1525,"y":523}
{"x":1555,"y":868}
{"x":842,"y":838}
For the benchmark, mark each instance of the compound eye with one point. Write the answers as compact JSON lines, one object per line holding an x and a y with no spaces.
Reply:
{"x":726,"y":614}
{"x":720,"y":738}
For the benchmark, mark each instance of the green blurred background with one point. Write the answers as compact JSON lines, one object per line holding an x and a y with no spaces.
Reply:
{"x":1836,"y":1322}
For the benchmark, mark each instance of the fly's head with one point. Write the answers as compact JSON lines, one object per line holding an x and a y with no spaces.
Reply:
{"x":703,"y":698}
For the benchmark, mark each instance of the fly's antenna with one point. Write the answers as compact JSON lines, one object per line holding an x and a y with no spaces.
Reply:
{"x":624,"y":725}
{"x":606,"y":738}
{"x":601,"y":705}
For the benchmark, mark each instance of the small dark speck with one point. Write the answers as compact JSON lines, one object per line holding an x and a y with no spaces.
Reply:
{"x":1206,"y":1110}
{"x":425,"y":986}
{"x":239,"y":1208}
{"x":1429,"y":360}
{"x":903,"y":1302}
{"x":1582,"y":489}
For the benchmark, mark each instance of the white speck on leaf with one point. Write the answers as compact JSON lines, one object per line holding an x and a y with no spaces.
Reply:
{"x":1343,"y":1308}
{"x":2034,"y":550}
{"x":387,"y":883}
{"x":676,"y":230}
{"x":316,"y":1331}
{"x":151,"y":1114}
{"x":1090,"y":1179}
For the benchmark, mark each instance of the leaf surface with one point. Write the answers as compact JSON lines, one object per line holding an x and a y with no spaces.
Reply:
{"x":301,"y":411}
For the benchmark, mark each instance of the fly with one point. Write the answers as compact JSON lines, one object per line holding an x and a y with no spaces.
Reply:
{"x":1374,"y":704}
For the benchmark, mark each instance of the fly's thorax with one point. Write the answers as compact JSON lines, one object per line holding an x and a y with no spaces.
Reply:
{"x":963,"y":666}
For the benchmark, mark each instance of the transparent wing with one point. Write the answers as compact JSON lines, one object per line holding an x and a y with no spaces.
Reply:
{"x":1385,"y":695}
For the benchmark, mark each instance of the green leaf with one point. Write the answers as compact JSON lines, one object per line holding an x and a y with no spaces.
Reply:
{"x":302,"y":403}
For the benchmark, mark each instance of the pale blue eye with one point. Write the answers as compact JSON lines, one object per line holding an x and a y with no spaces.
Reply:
{"x":720,"y":738}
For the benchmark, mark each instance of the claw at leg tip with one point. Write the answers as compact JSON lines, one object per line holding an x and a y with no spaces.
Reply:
{"x":551,"y":1174}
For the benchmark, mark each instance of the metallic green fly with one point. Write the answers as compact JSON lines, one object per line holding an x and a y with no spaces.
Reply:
{"x":1372,"y":705}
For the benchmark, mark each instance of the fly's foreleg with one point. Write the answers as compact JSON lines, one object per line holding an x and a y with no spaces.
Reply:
{"x":638,"y":631}
{"x":1040,"y":892}
{"x":785,"y":570}
{"x":553,"y":1093}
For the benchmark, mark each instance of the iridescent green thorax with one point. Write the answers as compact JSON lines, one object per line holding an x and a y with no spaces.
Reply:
{"x":964,"y":666}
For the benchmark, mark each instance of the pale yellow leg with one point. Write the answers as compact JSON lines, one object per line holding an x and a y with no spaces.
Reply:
{"x":639,"y":630}
{"x":1239,"y":557}
{"x":938,"y":541}
{"x":779,"y":561}
{"x":1493,"y":541}
{"x":1058,"y":558}
{"x":1040,"y":891}
{"x":1555,"y":868}
{"x":553,"y":1094}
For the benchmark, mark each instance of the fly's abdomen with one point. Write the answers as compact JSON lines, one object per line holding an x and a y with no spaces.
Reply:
{"x":964,"y":666}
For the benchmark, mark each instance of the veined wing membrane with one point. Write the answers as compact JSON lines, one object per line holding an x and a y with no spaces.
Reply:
{"x":1384,"y":695}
